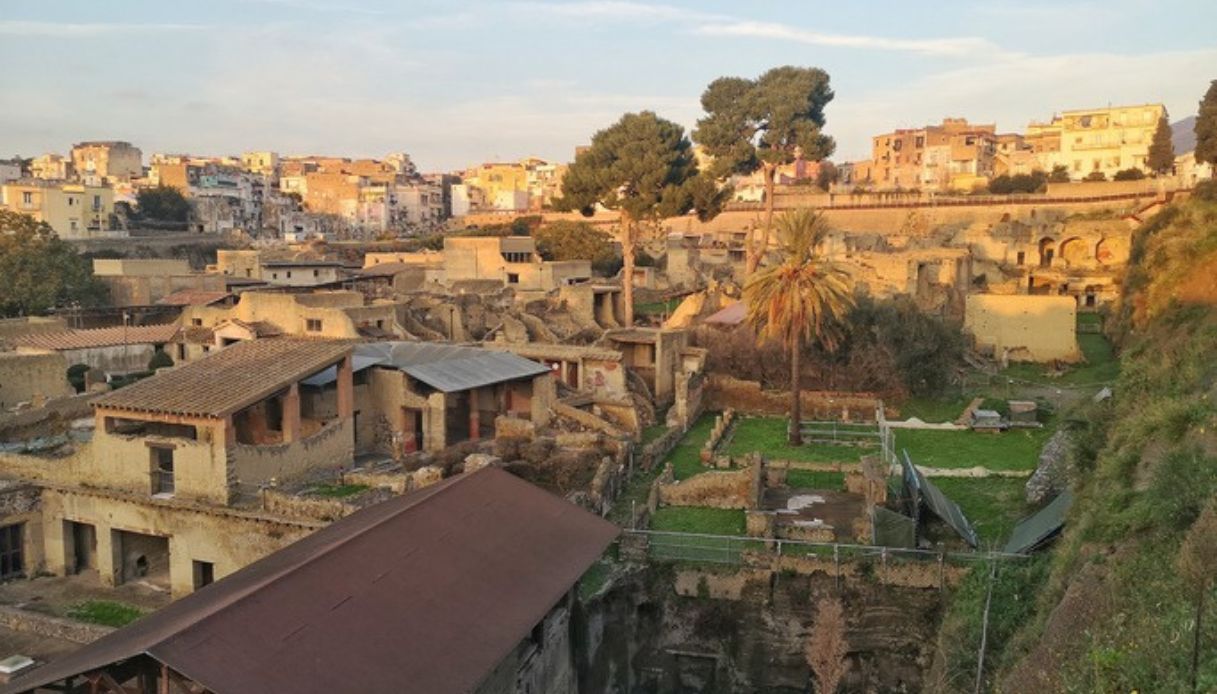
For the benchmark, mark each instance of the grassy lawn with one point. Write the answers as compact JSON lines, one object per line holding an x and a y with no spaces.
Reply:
{"x":934,"y":410}
{"x":992,"y":504}
{"x":595,"y":577}
{"x":698,"y":519}
{"x":767,"y":435}
{"x":337,"y":491}
{"x":105,"y":612}
{"x":1018,"y":449}
{"x":653,"y":432}
{"x":656,"y":308}
{"x":686,"y":457}
{"x":1101,"y":366}
{"x":813,"y":479}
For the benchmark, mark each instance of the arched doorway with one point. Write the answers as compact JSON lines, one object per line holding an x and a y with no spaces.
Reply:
{"x":1047,"y":250}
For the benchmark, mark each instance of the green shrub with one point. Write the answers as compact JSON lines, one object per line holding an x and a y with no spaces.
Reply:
{"x":1095,"y":176}
{"x":76,"y":376}
{"x":1129,"y":175}
{"x":160,"y":360}
{"x":105,"y":612}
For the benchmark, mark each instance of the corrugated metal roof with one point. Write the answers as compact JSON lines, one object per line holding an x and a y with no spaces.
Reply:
{"x":1041,"y":526}
{"x":938,"y":503}
{"x":452,"y":368}
{"x":193,"y":297}
{"x":426,"y":592}
{"x":228,"y":380}
{"x":358,"y":363}
{"x":100,"y":337}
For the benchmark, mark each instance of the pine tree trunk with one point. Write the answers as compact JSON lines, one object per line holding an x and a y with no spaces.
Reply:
{"x":756,"y":248}
{"x":796,"y":393}
{"x":627,"y":268}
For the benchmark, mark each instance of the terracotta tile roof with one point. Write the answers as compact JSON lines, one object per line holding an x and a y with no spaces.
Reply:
{"x":228,"y":380}
{"x":549,"y":350}
{"x":100,"y":337}
{"x":193,"y":297}
{"x":426,"y":592}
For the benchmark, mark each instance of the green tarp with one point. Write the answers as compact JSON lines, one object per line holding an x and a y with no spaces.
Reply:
{"x":922,"y":491}
{"x":1040,"y":527}
{"x":891,"y":529}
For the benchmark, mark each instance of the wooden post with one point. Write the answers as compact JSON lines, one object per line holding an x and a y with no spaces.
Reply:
{"x":346,"y":388}
{"x":291,"y":414}
{"x":836,"y":560}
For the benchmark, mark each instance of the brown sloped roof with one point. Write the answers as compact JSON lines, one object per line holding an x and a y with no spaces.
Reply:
{"x":100,"y":337}
{"x":228,"y":380}
{"x":426,"y":592}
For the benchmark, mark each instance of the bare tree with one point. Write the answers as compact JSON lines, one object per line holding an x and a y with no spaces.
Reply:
{"x":827,"y":647}
{"x":1197,"y":557}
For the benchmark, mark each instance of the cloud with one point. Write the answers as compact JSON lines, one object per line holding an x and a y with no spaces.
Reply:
{"x":73,"y":30}
{"x":768,"y":30}
{"x":620,"y":10}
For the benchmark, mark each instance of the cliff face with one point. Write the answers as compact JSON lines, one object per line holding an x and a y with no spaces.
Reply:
{"x":1114,"y":612}
{"x":662,"y":629}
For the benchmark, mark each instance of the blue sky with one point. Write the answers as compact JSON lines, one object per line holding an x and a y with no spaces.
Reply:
{"x":454,"y":83}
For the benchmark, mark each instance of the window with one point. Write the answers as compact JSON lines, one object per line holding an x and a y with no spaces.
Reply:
{"x":313,"y":325}
{"x":513,"y":278}
{"x":204,"y":573}
{"x":71,"y":201}
{"x":1022,"y":257}
{"x":274,"y":275}
{"x":197,"y":322}
{"x":27,"y":198}
{"x":97,"y":202}
{"x":12,"y":558}
{"x":316,"y":273}
{"x":162,"y":469}
{"x":289,"y":274}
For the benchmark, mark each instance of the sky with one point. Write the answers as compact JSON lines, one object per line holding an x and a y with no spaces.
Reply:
{"x":454,"y":83}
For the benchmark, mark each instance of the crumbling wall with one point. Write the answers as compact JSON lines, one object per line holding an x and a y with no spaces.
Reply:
{"x":32,"y":377}
{"x":748,"y":397}
{"x":733,"y":489}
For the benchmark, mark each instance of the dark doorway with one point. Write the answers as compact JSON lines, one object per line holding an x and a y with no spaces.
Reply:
{"x":84,"y":546}
{"x":204,"y":573}
{"x":12,"y":550}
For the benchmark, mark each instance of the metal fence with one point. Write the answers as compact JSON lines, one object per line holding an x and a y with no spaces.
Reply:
{"x":668,"y":546}
{"x":840,"y":433}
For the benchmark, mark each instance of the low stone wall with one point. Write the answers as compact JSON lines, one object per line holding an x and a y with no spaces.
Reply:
{"x":586,"y":419}
{"x":901,"y":573}
{"x":66,"y":408}
{"x":748,"y":397}
{"x":693,"y":583}
{"x":722,"y":423}
{"x":297,"y":506}
{"x":396,"y":482}
{"x":733,"y":489}
{"x":658,"y":449}
{"x":51,"y":626}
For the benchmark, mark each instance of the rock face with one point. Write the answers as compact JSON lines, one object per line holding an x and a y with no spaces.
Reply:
{"x":1051,"y":476}
{"x":729,"y":631}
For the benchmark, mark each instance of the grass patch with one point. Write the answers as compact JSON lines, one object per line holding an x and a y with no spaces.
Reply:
{"x":1101,"y":366}
{"x":337,"y":491}
{"x":686,"y":456}
{"x":934,"y":410}
{"x":105,"y":612}
{"x":595,"y":578}
{"x":767,"y":435}
{"x":814,"y":479}
{"x":993,"y":504}
{"x":699,"y":519}
{"x":1017,"y":449}
{"x":657,"y":308}
{"x":653,"y":432}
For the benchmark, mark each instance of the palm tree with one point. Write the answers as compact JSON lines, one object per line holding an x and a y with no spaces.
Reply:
{"x":799,"y":300}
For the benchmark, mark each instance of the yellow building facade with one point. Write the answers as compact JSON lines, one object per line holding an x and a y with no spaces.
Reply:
{"x":74,"y":211}
{"x":1106,"y":140}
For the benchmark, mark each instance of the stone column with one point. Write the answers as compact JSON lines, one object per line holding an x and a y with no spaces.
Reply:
{"x":109,"y":556}
{"x":346,"y":389}
{"x":475,"y":415}
{"x":291,"y":414}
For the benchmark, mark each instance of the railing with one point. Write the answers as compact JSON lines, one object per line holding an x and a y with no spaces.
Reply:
{"x":668,"y":546}
{"x":840,"y":432}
